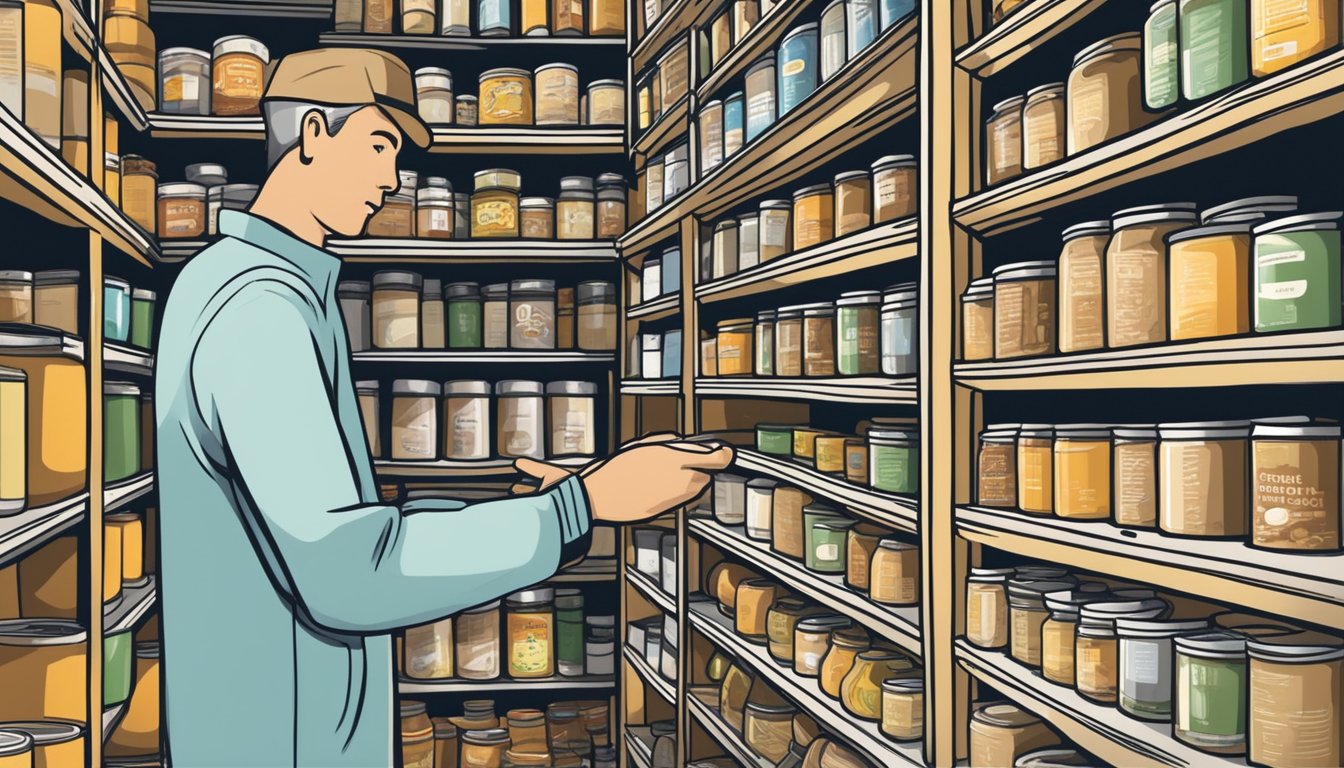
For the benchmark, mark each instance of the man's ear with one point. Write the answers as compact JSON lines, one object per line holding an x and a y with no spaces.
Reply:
{"x":313,"y":131}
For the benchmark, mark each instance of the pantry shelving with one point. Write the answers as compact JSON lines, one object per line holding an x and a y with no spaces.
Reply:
{"x":120,"y":494}
{"x":855,"y":389}
{"x":714,"y":724}
{"x":427,"y":251}
{"x":651,"y":590}
{"x":636,"y":387}
{"x":898,"y":512}
{"x":118,"y":92}
{"x":501,"y":45}
{"x":445,"y":469}
{"x":1032,"y":25}
{"x":111,"y":716}
{"x":761,"y":39}
{"x":127,"y":359}
{"x":300,"y":9}
{"x":656,"y":309}
{"x":205,"y":127}
{"x":23,"y":532}
{"x":135,"y":604}
{"x":649,"y":675}
{"x":899,"y":624}
{"x":639,"y":746}
{"x":675,"y":20}
{"x":483,"y":356}
{"x":671,"y":124}
{"x":503,"y":684}
{"x":76,"y":29}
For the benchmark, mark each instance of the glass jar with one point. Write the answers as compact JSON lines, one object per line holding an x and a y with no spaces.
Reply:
{"x":417,"y":736}
{"x":781,"y":622}
{"x":239,"y":68}
{"x":853,"y":196}
{"x":606,"y":18}
{"x":977,"y":320}
{"x":121,"y":402}
{"x":455,"y":18}
{"x":1134,"y":463}
{"x":142,"y":318}
{"x":557,"y":89}
{"x":903,"y":708}
{"x":56,"y":299}
{"x":752,"y":607}
{"x":1003,"y":141}
{"x":1035,"y":465}
{"x":1096,"y":653}
{"x":532,"y":311}
{"x":1297,"y":474}
{"x":710,"y":122}
{"x":16,"y":296}
{"x":725,"y":256}
{"x":759,"y":97}
{"x":527,"y":731}
{"x":1024,"y":309}
{"x":476,"y":643}
{"x":184,"y":81}
{"x":1146,"y":654}
{"x":987,"y":607}
{"x":367,"y":394}
{"x":763,"y":333}
{"x":832,"y":39}
{"x":596,"y":315}
{"x":996,"y":467}
{"x":181,"y":210}
{"x":1209,"y":292}
{"x":537,"y":218}
{"x":484,"y":748}
{"x":494,"y":206}
{"x":378,"y":17}
{"x":1302,"y":729}
{"x":1136,"y":272}
{"x":760,"y":495}
{"x":861,"y":20}
{"x":1161,"y":57}
{"x":434,"y":213}
{"x":895,"y":187}
{"x":519,"y":422}
{"x":813,"y":216}
{"x":531,"y":633}
{"x":895,"y":573}
{"x":1059,"y":632}
{"x":535,"y":20}
{"x":505,"y":94}
{"x":787,"y":536}
{"x":719,"y":37}
{"x":1027,"y":612}
{"x":396,"y":310}
{"x":812,"y":639}
{"x":1043,"y":126}
{"x":434,"y":95}
{"x":1082,"y":471}
{"x":606,"y":102}
{"x":40,"y":26}
{"x":861,"y":689}
{"x":1001,"y":732}
{"x":1201,"y":477}
{"x":571,"y":406}
{"x":575,"y":210}
{"x":611,"y":210}
{"x":415,"y":419}
{"x":466,"y":420}
{"x":1292,"y":292}
{"x":116,"y":309}
{"x":774,"y":229}
{"x":462,"y":313}
{"x":858,"y":333}
{"x":1213,"y":47}
{"x":789,"y":341}
{"x":1105,"y":92}
{"x":1211,"y":691}
{"x":735,"y":354}
{"x":226,"y":197}
{"x":844,"y":650}
{"x":768,"y":729}
{"x":428,"y":650}
{"x":468,"y":111}
{"x":1282,"y":37}
{"x":797,"y":66}
{"x":653,"y":184}
{"x":818,"y":339}
{"x":1082,"y":317}
{"x":893,"y":460}
{"x":826,"y":535}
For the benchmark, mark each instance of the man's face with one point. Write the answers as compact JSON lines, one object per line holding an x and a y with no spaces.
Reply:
{"x":352,"y":172}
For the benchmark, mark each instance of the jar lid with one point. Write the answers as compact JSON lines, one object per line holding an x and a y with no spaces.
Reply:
{"x":1024,"y":270}
{"x":598,"y":621}
{"x":1012,"y":102}
{"x":242,"y":44}
{"x":182,"y":189}
{"x":1136,"y":432}
{"x":610,"y":179}
{"x":1004,"y":715}
{"x":990,"y":575}
{"x":841,"y":178}
{"x":56,"y":277}
{"x":765,"y":316}
{"x":726,"y":224}
{"x":524,"y":716}
{"x":143,"y":294}
{"x":30,"y":632}
{"x":770,"y":709}
{"x":404,"y":280}
{"x":433,"y":289}
{"x":893,"y":161}
{"x":1081,"y":431}
{"x":534,"y":596}
{"x":209,"y":174}
{"x":416,"y":387}
{"x":1305,"y":222}
{"x":498,"y":177}
{"x":1126,"y":626}
{"x":576,"y":184}
{"x":818,"y":309}
{"x":490,"y":74}
{"x":1129,"y":41}
{"x":823,"y":623}
{"x":879,"y":434}
{"x":663,"y":727}
{"x":1263,"y":204}
{"x":762,"y":63}
{"x":710,"y":106}
{"x":1199,"y":430}
{"x":1106,"y":612}
{"x":462,"y":291}
{"x":1297,"y":647}
{"x":466,"y":98}
{"x":999,"y":436}
{"x":1070,"y":600}
{"x":536,"y":202}
{"x":131,"y":164}
{"x":1048,"y":88}
{"x":1086,"y":229}
{"x":1217,"y":230}
{"x":479,"y":706}
{"x":769,"y":428}
{"x":815,"y":189}
{"x":434,"y":77}
{"x":1331,"y":431}
{"x":610,"y":83}
{"x":776,"y":205}
{"x":365,"y":386}
{"x":466,"y":387}
{"x":595,"y":291}
{"x":45,"y":732}
{"x":434,"y":196}
{"x":855,"y":298}
{"x":1145,"y":214}
{"x":16,"y":276}
{"x":168,"y":53}
{"x":532,"y":286}
{"x":1214,"y":645}
{"x":1032,"y":589}
{"x":487,"y":736}
{"x":853,"y":637}
{"x":14,"y":743}
{"x":120,"y":388}
{"x":788,"y":605}
{"x":571,"y":388}
{"x":518,"y":387}
{"x":409,"y":708}
{"x":903,"y":685}
{"x":444,"y":728}
{"x":895,"y":545}
{"x":1159,"y":4}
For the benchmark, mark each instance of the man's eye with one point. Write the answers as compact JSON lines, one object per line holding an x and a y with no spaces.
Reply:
{"x":378,"y":148}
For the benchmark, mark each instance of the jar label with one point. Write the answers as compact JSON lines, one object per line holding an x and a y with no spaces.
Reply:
{"x":502,"y":100}
{"x":529,"y":645}
{"x":239,"y":77}
{"x":828,"y":552}
{"x":793,"y":67}
{"x":494,"y":218}
{"x":181,"y":88}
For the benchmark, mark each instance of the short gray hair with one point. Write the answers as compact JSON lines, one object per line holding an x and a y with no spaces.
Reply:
{"x":284,"y":124}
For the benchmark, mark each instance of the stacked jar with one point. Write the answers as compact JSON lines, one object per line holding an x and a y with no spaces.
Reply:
{"x":882,"y":456}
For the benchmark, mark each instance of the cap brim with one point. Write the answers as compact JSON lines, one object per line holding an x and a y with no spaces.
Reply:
{"x":410,"y":124}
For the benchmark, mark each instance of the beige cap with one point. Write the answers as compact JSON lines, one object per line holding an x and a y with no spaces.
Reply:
{"x":343,"y":77}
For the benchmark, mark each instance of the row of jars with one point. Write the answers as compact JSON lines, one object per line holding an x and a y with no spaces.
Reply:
{"x":585,"y":210}
{"x":403,"y":310}
{"x":655,"y":640}
{"x":884,"y":457}
{"x":128,"y":430}
{"x":1003,"y":734}
{"x":861,"y":333}
{"x":656,"y":557}
{"x":567,"y":734}
{"x":1274,"y":483}
{"x":658,"y":275}
{"x":510,"y":96}
{"x":493,"y":18}
{"x":663,"y":84}
{"x":816,"y":214}
{"x":657,"y":356}
{"x":821,"y":537}
{"x":43,"y":375}
{"x":49,"y":298}
{"x":665,"y":176}
{"x":847,"y":662}
{"x":175,"y":210}
{"x":128,"y":313}
{"x":34,"y":88}
{"x":227,"y":81}
{"x":1217,"y":677}
{"x":525,"y":418}
{"x":1161,"y":273}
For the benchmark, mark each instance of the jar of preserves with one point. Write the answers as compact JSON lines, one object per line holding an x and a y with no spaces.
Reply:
{"x":537,"y":218}
{"x":184,"y":81}
{"x":417,"y":736}
{"x":1035,"y":468}
{"x":845,"y":647}
{"x":239,"y":75}
{"x":1105,"y":92}
{"x":861,"y":689}
{"x":1001,"y":733}
{"x":1082,"y":317}
{"x":1024,"y":309}
{"x":415,"y":416}
{"x":987,"y":607}
{"x":506,"y":97}
{"x":567,"y":17}
{"x":571,"y":408}
{"x":1296,"y":487}
{"x":894,"y":575}
{"x":782,"y":620}
{"x":1211,"y":691}
{"x":557,"y":88}
{"x":735,"y":354}
{"x":129,"y":40}
{"x":1027,"y":612}
{"x":768,"y":729}
{"x":813,"y":216}
{"x":977,"y":320}
{"x":832,"y":39}
{"x":431,"y":315}
{"x":575,"y":210}
{"x":1210,"y":270}
{"x":530,"y":617}
{"x":1202,"y":479}
{"x":1136,"y":272}
{"x":532,"y":311}
{"x":494,"y":205}
{"x":996,"y":467}
{"x":1146,"y":660}
{"x":1043,"y":126}
{"x":811,"y":641}
{"x":519,"y":423}
{"x":752,"y":608}
{"x":434,"y":95}
{"x":1134,"y":462}
{"x":760,"y":493}
{"x":1082,"y":471}
{"x":1213,"y":46}
{"x":895,"y":187}
{"x":818,"y":339}
{"x":893,"y":460}
{"x":606,"y":102}
{"x":774,"y":229}
{"x":1003,"y":141}
{"x":1286,"y":732}
{"x":467,"y":108}
{"x":396,"y":310}
{"x":1282,"y":37}
{"x":764,"y":346}
{"x":611,"y":207}
{"x":596,"y":315}
{"x":366,"y":392}
{"x":1096,"y":650}
{"x":789,"y":341}
{"x":181,"y":210}
{"x":903,"y":708}
{"x":1059,"y":632}
{"x":378,"y":17}
{"x":853,"y":200}
{"x":484,"y":748}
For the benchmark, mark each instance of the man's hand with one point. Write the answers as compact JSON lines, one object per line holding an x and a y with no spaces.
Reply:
{"x":541,"y":475}
{"x":648,"y":479}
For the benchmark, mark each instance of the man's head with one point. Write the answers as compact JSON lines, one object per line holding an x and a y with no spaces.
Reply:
{"x":336,"y":120}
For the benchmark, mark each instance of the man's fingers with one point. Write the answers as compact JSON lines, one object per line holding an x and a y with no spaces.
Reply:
{"x":540,"y":469}
{"x":652,"y":439}
{"x":714,"y":459}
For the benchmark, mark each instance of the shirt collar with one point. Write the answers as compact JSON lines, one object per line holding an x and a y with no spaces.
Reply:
{"x":318,"y":266}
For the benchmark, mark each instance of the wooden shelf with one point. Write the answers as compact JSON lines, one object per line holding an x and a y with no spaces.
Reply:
{"x":899,"y":624}
{"x":1106,"y":732}
{"x":843,"y":389}
{"x":898,"y":512}
{"x":112,"y":716}
{"x":804,"y":691}
{"x":651,"y":590}
{"x":872,"y":91}
{"x":470,"y":470}
{"x":118,"y":495}
{"x":23,"y":532}
{"x":541,"y":140}
{"x":651,"y":387}
{"x":1282,"y":358}
{"x":876,"y":247}
{"x":468,"y":251}
{"x":666,"y":689}
{"x":76,"y":29}
{"x":677,"y":19}
{"x":1304,"y":587}
{"x":660,"y":308}
{"x":557,"y":683}
{"x":134,"y":605}
{"x":639,"y":745}
{"x":763,"y":38}
{"x":674,"y":122}
{"x":1030,"y":26}
{"x":297,"y":9}
{"x":586,"y":571}
{"x":1258,"y":110}
{"x":118,"y":92}
{"x":124,"y":358}
{"x":484,"y":356}
{"x":718,"y":728}
{"x":163,"y":126}
{"x":33,"y":176}
{"x":464,"y":43}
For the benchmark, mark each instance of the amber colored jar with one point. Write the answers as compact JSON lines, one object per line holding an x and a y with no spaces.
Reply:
{"x":861,"y":690}
{"x":752,"y":608}
{"x":812,"y":641}
{"x":860,"y":544}
{"x":445,"y":743}
{"x":494,"y":212}
{"x":977,"y":320}
{"x":1026,"y":613}
{"x":819,"y":339}
{"x":417,"y":736}
{"x":1043,"y":126}
{"x":1105,"y":92}
{"x":895,"y":187}
{"x":987,"y":607}
{"x":786,"y":534}
{"x":735,"y":347}
{"x":1082,"y":472}
{"x":611,"y":211}
{"x":1001,"y":733}
{"x":1209,"y":289}
{"x":1035,"y":466}
{"x":531,"y":633}
{"x":996,"y":468}
{"x":1082,"y":316}
{"x":1024,"y":309}
{"x":239,"y":67}
{"x":527,"y":730}
{"x":505,"y":97}
{"x":782,"y":621}
{"x":484,"y":748}
{"x":181,"y":210}
{"x":853,"y":202}
{"x":789,"y":341}
{"x":1134,"y":480}
{"x":1136,"y":272}
{"x":1202,"y":479}
{"x":1003,"y":141}
{"x":895,"y":573}
{"x":813,"y":216}
{"x":844,"y":650}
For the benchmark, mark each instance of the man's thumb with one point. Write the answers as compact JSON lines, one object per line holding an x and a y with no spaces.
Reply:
{"x":532,"y":468}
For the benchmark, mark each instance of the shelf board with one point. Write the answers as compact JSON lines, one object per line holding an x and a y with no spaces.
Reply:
{"x":23,"y":532}
{"x":33,"y":176}
{"x":872,"y":91}
{"x":1304,"y":94}
{"x":1281,"y":358}
{"x":603,"y":569}
{"x":76,"y":29}
{"x":677,"y":18}
{"x":540,"y":140}
{"x":120,"y":495}
{"x":718,"y":729}
{"x":298,"y":9}
{"x":135,"y":604}
{"x":899,"y":624}
{"x":464,"y":43}
{"x":557,"y":683}
{"x":805,"y":692}
{"x":842,"y":389}
{"x":124,"y":358}
{"x":470,"y":470}
{"x":1105,"y":731}
{"x":672,"y":123}
{"x":164,"y":126}
{"x":639,"y":745}
{"x":666,"y":689}
{"x":173,"y":251}
{"x":1306,"y":587}
{"x":650,"y":589}
{"x":484,"y":356}
{"x":1028,"y":27}
{"x":662,"y":307}
{"x":119,"y":93}
{"x":651,"y":387}
{"x":112,"y":716}
{"x":884,"y":244}
{"x":898,"y":512}
{"x":761,"y":39}
{"x":468,"y":251}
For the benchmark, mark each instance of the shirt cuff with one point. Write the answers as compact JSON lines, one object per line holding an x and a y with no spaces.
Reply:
{"x":571,"y":506}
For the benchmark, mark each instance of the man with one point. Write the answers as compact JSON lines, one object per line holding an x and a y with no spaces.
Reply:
{"x":283,"y":574}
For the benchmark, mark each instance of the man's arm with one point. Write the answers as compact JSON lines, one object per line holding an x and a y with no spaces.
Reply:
{"x":351,"y":566}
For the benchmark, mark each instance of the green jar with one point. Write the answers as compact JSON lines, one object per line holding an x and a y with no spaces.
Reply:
{"x":121,"y":430}
{"x":117,"y":667}
{"x":1161,"y":60}
{"x":1215,"y":48}
{"x":826,"y":533}
{"x":893,"y":460}
{"x":142,"y":318}
{"x":1297,"y":273}
{"x":858,"y":351}
{"x":765,"y":343}
{"x":1211,"y":685}
{"x":569,"y":632}
{"x":462,"y":308}
{"x":775,"y":439}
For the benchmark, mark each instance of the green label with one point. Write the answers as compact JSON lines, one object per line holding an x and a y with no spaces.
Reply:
{"x":121,"y":437}
{"x":894,"y":468}
{"x":464,"y":324}
{"x":1213,"y":46}
{"x":1297,"y":281}
{"x":1160,"y":49}
{"x":1214,"y":704}
{"x":777,"y":443}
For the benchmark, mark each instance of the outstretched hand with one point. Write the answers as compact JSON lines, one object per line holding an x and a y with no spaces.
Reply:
{"x":648,"y":479}
{"x":541,"y":475}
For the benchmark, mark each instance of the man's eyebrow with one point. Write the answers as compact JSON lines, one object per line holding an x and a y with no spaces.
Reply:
{"x":390,"y":137}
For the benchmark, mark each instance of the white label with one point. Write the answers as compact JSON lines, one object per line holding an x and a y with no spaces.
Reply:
{"x":1147,"y":658}
{"x":1287,"y":289}
{"x":1282,"y":257}
{"x":1272,"y":52}
{"x":828,"y":552}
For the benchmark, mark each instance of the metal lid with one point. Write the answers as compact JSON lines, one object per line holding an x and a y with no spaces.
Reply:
{"x":14,"y":743}
{"x":1008,"y":103}
{"x":816,"y":309}
{"x":1265,"y":430}
{"x":893,"y":161}
{"x":1004,"y":715}
{"x":1129,"y":41}
{"x":990,"y":575}
{"x":433,"y":288}
{"x":610,"y":179}
{"x":765,"y":316}
{"x":770,"y":709}
{"x":534,"y":596}
{"x":504,"y":72}
{"x":595,"y":291}
{"x":242,"y":44}
{"x":856,"y":298}
{"x":462,"y":291}
{"x":1297,"y":648}
{"x":1086,"y":229}
{"x":403,"y":280}
{"x":1213,"y":645}
{"x":767,"y":61}
{"x":1134,"y":627}
{"x":144,"y":294}
{"x":1080,"y":431}
{"x":1025,"y":270}
{"x":1200,"y":430}
{"x":1310,"y":221}
{"x":906,"y":685}
{"x":536,"y":202}
{"x":1048,"y":88}
{"x":532,"y":286}
{"x":416,"y":387}
{"x":815,"y":189}
{"x":1037,"y":430}
{"x":34,"y":632}
{"x":576,"y":184}
{"x":571,"y":388}
{"x":1108,"y":611}
{"x":56,"y":277}
{"x":182,"y":189}
{"x":823,"y":623}
{"x":748,"y":219}
{"x":409,"y":708}
{"x":110,"y":280}
{"x":895,"y":545}
{"x":45,"y":732}
{"x":734,"y":323}
{"x":148,"y":649}
{"x":609,"y":83}
{"x":15,"y":276}
{"x":487,"y":736}
{"x":775,"y":205}
{"x":183,"y":51}
{"x":466,"y":387}
{"x":1042,"y":573}
{"x":120,"y":388}
{"x":518,"y":387}
{"x":1145,"y":214}
{"x":840,"y":178}
{"x":497,"y":177}
{"x":1264,"y":204}
{"x":209,"y":174}
{"x":1216,"y":230}
{"x":353,"y":289}
{"x":367,"y":385}
{"x":434,"y":77}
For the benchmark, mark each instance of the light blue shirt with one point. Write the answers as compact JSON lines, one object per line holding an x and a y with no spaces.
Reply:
{"x":282,"y":573}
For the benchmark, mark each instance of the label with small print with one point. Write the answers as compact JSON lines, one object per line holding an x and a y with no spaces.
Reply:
{"x":828,"y":552}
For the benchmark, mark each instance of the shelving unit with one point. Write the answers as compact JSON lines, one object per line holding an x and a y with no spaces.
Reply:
{"x":476,"y":687}
{"x":714,"y":724}
{"x":650,"y":676}
{"x":898,"y":512}
{"x":135,"y":604}
{"x":651,"y":590}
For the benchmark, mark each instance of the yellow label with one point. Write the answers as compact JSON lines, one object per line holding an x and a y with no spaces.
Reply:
{"x":529,"y":647}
